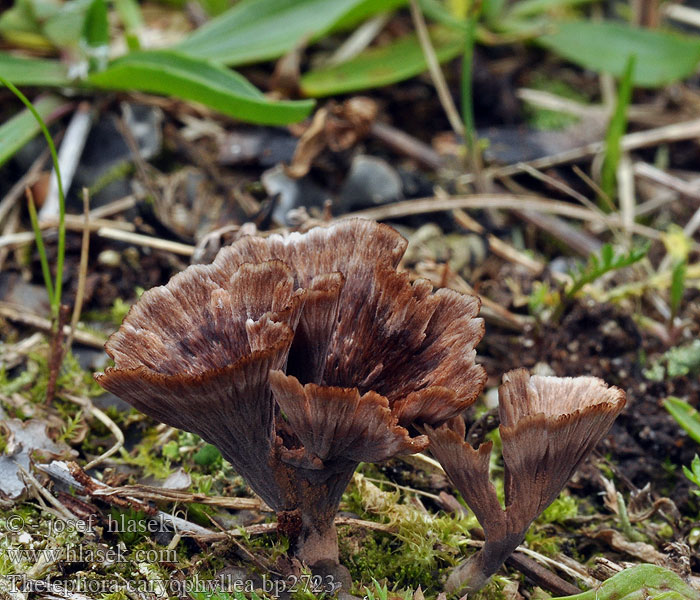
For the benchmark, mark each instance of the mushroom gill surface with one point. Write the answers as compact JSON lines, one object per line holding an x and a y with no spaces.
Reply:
{"x":299,"y":356}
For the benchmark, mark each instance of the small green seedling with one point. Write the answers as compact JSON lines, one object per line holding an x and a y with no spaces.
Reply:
{"x":694,"y":473}
{"x":600,"y":264}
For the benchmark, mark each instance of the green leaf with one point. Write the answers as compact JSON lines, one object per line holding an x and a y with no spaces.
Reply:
{"x":130,"y":15}
{"x":21,"y":128}
{"x":364,"y":10}
{"x":437,"y":11}
{"x":214,"y":8}
{"x":96,"y":28}
{"x":172,"y":74}
{"x":65,"y":28}
{"x":662,"y":57}
{"x":33,"y":71}
{"x":694,"y":474}
{"x":19,"y":18}
{"x":616,"y":129}
{"x":686,"y":416}
{"x":530,"y":8}
{"x":642,"y":582}
{"x":677,"y":285}
{"x":95,"y":39}
{"x":256,"y":30}
{"x":388,"y":64}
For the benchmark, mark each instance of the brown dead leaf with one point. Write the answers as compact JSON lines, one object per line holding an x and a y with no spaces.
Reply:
{"x":641,"y":550}
{"x":311,"y":144}
{"x":337,"y":127}
{"x":350,"y":122}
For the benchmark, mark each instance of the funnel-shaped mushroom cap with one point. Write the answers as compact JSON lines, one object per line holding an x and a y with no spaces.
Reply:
{"x":333,"y":423}
{"x":548,"y":427}
{"x":357,"y":352}
{"x":365,"y":326}
{"x":197,"y":355}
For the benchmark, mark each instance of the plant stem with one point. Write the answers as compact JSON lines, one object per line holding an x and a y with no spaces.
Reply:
{"x":45,"y":270}
{"x":436,"y":73}
{"x":467,"y":80}
{"x":54,"y":292}
{"x":616,"y":130}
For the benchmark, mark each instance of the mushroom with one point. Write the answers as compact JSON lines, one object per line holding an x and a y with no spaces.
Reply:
{"x":300,"y":356}
{"x":548,"y":427}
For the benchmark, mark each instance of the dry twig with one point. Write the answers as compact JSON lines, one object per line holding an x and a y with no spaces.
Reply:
{"x":101,"y":416}
{"x":82,"y":272}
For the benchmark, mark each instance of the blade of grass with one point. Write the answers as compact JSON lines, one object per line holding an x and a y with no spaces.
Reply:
{"x":54,"y":292}
{"x":677,"y":287}
{"x":436,"y":73}
{"x":466,"y":83}
{"x":616,"y":130}
{"x":43,"y":259}
{"x":130,"y":15}
{"x":529,"y":8}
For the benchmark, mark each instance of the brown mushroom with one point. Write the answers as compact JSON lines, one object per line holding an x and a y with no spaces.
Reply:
{"x":299,"y":356}
{"x":548,"y":427}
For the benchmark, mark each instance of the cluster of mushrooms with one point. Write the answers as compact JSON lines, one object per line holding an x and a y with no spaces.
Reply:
{"x":301,"y":356}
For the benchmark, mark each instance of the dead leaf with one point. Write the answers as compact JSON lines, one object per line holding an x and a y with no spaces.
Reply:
{"x":310,"y":145}
{"x":27,"y":441}
{"x":641,"y":550}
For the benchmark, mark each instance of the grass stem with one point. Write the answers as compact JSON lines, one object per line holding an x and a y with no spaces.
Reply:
{"x":54,"y":291}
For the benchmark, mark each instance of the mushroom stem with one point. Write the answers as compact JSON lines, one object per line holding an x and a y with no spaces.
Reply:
{"x":310,"y":525}
{"x":470,"y":576}
{"x":317,"y":542}
{"x":478,"y":569}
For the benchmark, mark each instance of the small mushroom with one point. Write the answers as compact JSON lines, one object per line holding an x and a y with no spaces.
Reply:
{"x":548,"y":427}
{"x":299,"y":356}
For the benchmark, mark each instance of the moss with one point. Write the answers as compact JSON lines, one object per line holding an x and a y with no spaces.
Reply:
{"x":420,"y":551}
{"x":542,"y":536}
{"x":11,"y":385}
{"x":493,"y":590}
{"x":564,"y":507}
{"x":171,"y":450}
{"x":120,"y":595}
{"x":208,"y":456}
{"x":118,"y":311}
{"x":149,"y":458}
{"x":128,"y":525}
{"x":33,"y":379}
{"x":71,"y":427}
